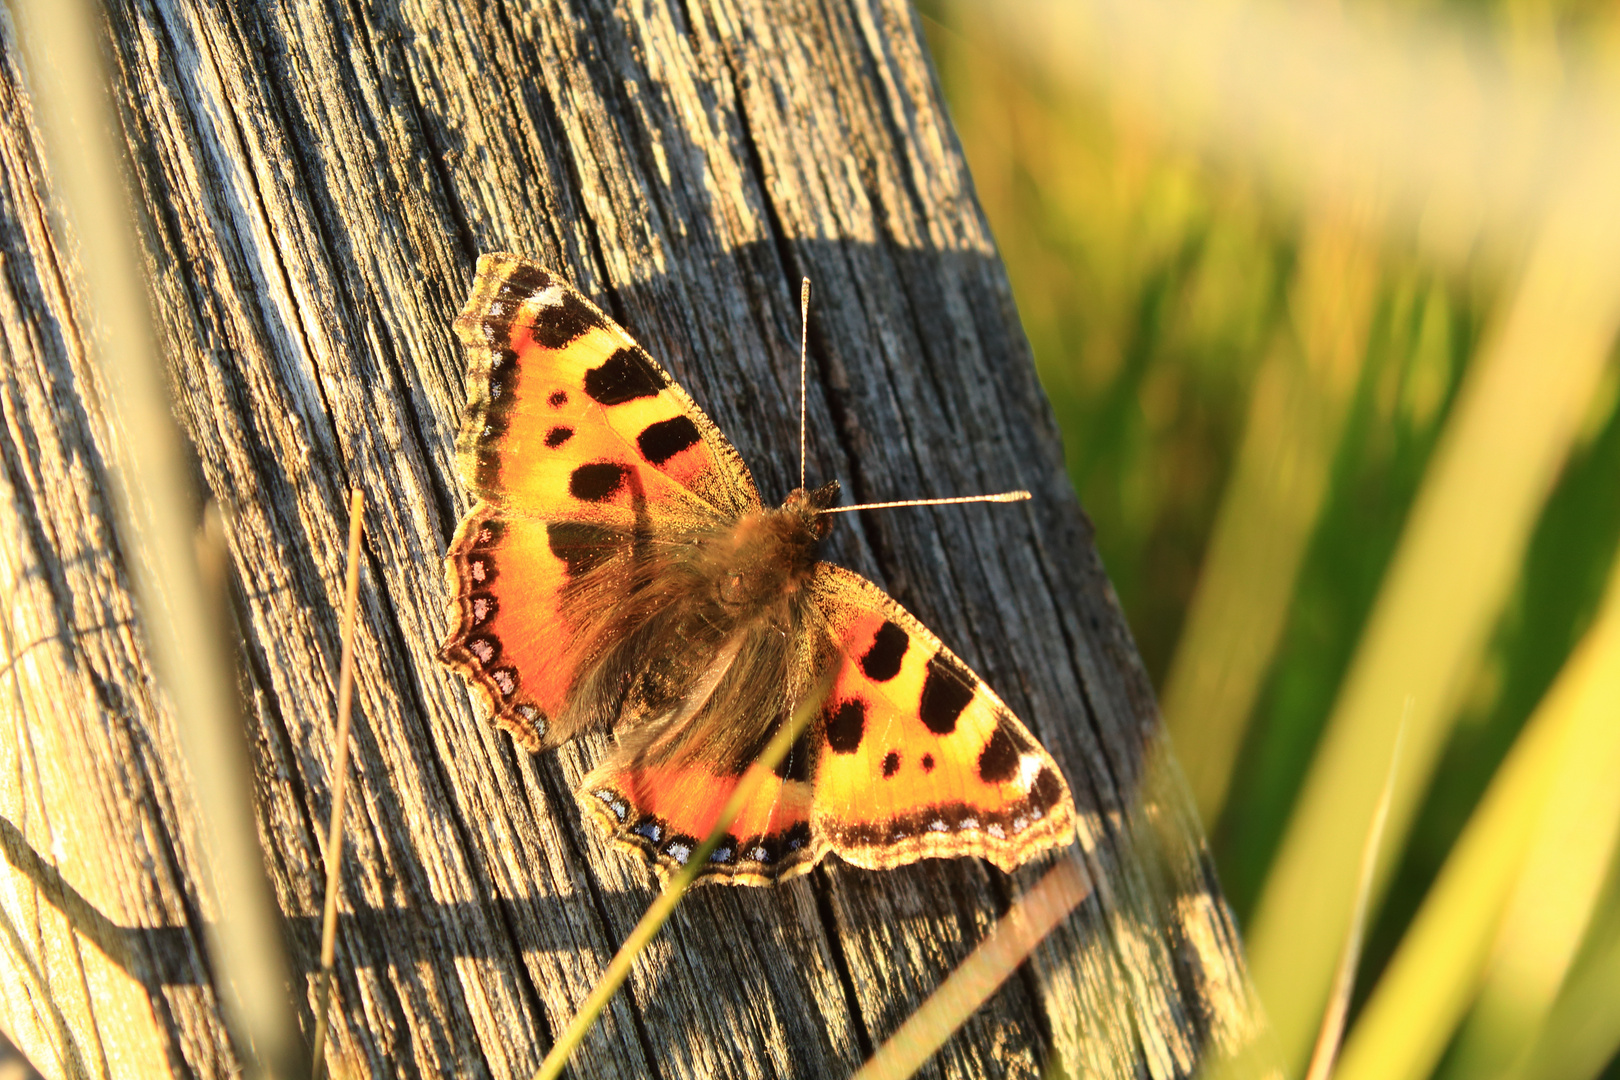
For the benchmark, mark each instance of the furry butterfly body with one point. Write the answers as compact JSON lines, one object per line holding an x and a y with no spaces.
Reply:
{"x":619,"y":571}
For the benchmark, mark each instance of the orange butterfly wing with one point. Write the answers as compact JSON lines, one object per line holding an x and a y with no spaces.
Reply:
{"x":586,"y":457}
{"x":917,"y":757}
{"x":577,"y":444}
{"x":911,"y":757}
{"x":663,"y":813}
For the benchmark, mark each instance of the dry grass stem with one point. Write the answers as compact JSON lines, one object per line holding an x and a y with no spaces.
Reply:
{"x":1344,"y":979}
{"x":1013,"y":938}
{"x":184,"y":617}
{"x":663,"y":907}
{"x":340,"y":777}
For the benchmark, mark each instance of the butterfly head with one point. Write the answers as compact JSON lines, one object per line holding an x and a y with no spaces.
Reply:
{"x":811,"y":506}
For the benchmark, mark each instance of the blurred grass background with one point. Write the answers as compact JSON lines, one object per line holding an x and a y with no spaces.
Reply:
{"x":1251,"y":391}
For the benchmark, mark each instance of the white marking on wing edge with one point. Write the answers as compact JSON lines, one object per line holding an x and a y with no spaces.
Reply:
{"x":1029,"y":766}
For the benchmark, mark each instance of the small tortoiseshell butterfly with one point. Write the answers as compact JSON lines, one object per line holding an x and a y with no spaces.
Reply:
{"x":619,"y":571}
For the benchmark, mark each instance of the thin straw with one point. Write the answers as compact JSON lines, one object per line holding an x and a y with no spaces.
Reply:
{"x":1014,"y":937}
{"x":334,"y":833}
{"x":663,"y":907}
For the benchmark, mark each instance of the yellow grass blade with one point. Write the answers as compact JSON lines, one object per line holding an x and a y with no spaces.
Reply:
{"x":1555,"y":897}
{"x":1582,"y":1032}
{"x":1558,"y":777}
{"x":1269,"y":509}
{"x":1515,"y":417}
{"x":1013,"y":938}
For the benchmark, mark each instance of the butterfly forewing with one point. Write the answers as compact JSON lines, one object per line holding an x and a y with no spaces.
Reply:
{"x":568,"y":416}
{"x":584,"y":454}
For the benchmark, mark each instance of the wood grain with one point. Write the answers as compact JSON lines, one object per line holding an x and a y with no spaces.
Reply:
{"x":317,"y":181}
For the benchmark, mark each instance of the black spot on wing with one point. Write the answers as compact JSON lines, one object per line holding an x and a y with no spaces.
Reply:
{"x":558,"y":435}
{"x":625,"y":376}
{"x":891,"y":763}
{"x":846,"y":726}
{"x":558,"y":398}
{"x":998,"y":761}
{"x":661,"y":441}
{"x":797,"y":837}
{"x":762,"y":849}
{"x":796,"y":765}
{"x":597,"y":481}
{"x":947,"y":689}
{"x":1047,"y":790}
{"x":522,"y":281}
{"x":557,"y":324}
{"x":882,"y":661}
{"x":580,"y":545}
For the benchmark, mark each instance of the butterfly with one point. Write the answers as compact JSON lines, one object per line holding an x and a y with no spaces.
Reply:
{"x":618,"y":571}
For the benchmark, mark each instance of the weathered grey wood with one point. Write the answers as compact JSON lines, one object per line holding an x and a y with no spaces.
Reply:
{"x":318,"y":181}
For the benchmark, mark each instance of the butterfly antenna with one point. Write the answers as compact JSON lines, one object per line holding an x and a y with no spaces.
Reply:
{"x":1003,"y":496}
{"x":804,"y":341}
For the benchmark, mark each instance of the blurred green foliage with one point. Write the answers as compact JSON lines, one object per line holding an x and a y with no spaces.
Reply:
{"x":1151,"y":285}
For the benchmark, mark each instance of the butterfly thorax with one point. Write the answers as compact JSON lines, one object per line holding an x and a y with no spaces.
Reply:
{"x":769,"y":554}
{"x":716,"y":628}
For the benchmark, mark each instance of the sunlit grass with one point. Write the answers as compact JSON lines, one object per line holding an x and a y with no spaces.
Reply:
{"x":1327,"y":318}
{"x":1501,"y":926}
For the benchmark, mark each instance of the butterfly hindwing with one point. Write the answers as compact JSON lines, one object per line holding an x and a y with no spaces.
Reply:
{"x":910,"y":756}
{"x":664,"y":812}
{"x":665,"y":784}
{"x":917,"y":757}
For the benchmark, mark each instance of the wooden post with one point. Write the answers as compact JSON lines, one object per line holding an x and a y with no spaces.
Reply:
{"x":317,"y":182}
